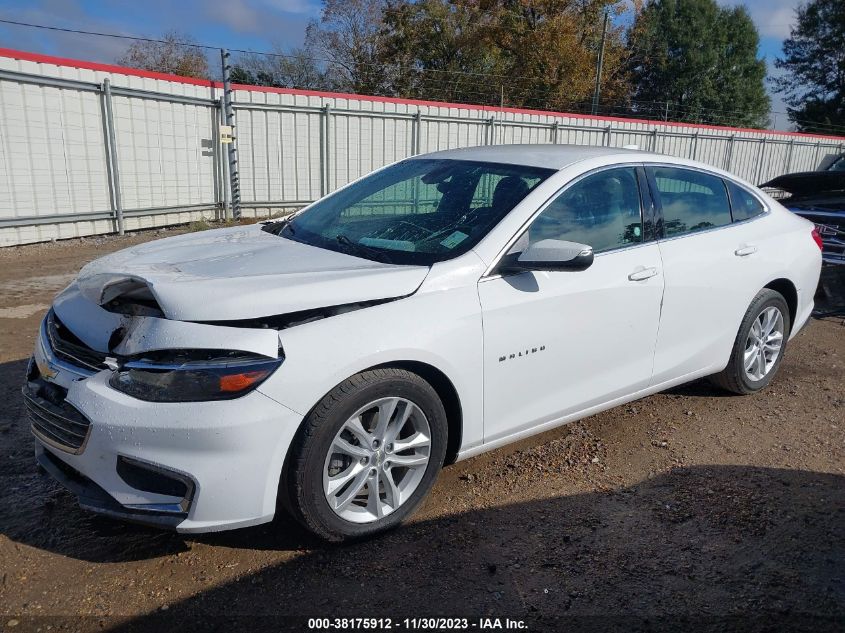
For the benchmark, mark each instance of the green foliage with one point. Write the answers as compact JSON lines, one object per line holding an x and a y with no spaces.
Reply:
{"x":814,"y":65}
{"x":440,"y":50}
{"x":694,"y":60}
{"x":540,"y":54}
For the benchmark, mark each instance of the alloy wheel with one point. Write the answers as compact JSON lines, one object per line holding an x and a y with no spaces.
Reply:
{"x":764,"y":343}
{"x":377,"y":460}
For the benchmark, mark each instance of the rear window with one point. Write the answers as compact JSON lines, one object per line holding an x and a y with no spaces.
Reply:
{"x":743,"y":204}
{"x":691,"y":200}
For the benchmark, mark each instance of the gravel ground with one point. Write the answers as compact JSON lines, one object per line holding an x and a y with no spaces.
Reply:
{"x":689,"y":509}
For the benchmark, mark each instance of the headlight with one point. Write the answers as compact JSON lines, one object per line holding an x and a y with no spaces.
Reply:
{"x":192,"y":375}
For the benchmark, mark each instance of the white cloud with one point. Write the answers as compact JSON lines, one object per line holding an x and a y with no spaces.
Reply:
{"x":237,"y":14}
{"x":773,"y":18}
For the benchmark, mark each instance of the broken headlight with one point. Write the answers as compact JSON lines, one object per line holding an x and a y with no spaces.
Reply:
{"x":192,"y":376}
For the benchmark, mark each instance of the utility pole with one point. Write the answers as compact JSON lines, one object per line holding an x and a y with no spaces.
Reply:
{"x":599,"y":64}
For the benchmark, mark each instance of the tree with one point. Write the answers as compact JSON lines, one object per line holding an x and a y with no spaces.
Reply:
{"x":550,"y":49}
{"x":538,"y":54}
{"x":693,"y":60}
{"x":297,"y":68}
{"x":439,"y":51}
{"x":176,"y":54}
{"x":814,"y":62}
{"x":349,"y":36}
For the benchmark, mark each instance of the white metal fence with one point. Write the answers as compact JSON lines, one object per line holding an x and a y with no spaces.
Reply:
{"x":84,"y":147}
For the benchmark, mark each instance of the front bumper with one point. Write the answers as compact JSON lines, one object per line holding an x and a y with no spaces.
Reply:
{"x":228,"y":453}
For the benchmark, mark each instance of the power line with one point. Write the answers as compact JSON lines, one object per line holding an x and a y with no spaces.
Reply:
{"x":113,"y":35}
{"x":484,"y":94}
{"x":236,"y":50}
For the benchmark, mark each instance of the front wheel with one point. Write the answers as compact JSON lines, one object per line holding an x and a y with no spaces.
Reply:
{"x":367,"y":454}
{"x":759,"y":345}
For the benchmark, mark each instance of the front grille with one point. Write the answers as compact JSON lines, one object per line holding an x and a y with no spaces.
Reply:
{"x":55,"y":421}
{"x":68,"y":347}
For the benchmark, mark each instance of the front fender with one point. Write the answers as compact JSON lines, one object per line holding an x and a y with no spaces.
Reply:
{"x":439,"y":328}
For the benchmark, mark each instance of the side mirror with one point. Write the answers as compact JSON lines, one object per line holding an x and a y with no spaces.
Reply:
{"x":549,"y":255}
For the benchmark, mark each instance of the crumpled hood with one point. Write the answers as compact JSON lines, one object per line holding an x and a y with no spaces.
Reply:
{"x":244,"y":273}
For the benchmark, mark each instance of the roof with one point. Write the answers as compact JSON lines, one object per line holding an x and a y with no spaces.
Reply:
{"x":551,"y":156}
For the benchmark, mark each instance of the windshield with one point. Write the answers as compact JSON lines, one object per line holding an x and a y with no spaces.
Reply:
{"x":419,"y":211}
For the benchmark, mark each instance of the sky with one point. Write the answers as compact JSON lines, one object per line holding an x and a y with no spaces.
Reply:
{"x":257,"y":25}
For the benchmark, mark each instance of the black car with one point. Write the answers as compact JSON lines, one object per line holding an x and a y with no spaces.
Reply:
{"x":819,"y":196}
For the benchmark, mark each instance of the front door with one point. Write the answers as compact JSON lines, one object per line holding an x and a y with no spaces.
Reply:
{"x":556,"y":343}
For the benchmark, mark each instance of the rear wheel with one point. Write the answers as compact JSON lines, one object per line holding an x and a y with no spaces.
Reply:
{"x":759,"y":345}
{"x":367,"y":454}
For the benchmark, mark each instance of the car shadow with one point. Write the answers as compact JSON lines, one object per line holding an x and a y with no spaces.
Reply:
{"x":714,"y":547}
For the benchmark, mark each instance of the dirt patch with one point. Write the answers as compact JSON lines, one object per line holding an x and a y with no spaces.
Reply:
{"x":690,"y":506}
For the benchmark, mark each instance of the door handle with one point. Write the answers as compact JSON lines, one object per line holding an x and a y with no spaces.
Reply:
{"x":745,"y":250}
{"x":640,"y":273}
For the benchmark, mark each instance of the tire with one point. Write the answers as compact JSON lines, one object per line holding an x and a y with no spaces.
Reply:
{"x":315,"y":461}
{"x":735,"y":378}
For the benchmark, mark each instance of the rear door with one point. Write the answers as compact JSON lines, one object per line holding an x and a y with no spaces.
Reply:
{"x":711,"y":267}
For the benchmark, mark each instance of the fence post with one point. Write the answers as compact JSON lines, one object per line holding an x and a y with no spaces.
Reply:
{"x":490,"y":131}
{"x":653,"y":147}
{"x":788,"y":166}
{"x":215,"y":156}
{"x":416,"y":133}
{"x":112,"y":168}
{"x":816,"y":155}
{"x":555,"y":132}
{"x":325,"y":150}
{"x":694,"y":151}
{"x":234,"y":176}
{"x":760,"y":156}
{"x":729,"y":152}
{"x":222,"y":162}
{"x":607,"y":132}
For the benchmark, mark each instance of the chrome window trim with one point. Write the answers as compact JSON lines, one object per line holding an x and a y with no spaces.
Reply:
{"x":488,"y":272}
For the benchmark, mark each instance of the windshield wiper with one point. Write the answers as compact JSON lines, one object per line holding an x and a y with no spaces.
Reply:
{"x":276,"y":227}
{"x":355,"y":246}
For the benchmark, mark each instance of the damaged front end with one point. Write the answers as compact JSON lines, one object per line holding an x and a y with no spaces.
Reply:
{"x":156,"y":366}
{"x":150,"y":357}
{"x":134,"y":412}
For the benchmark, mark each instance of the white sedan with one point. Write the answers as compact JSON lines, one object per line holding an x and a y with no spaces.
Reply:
{"x":442,"y":306}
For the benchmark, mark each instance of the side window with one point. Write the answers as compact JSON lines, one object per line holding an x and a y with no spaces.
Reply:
{"x":691,"y":200}
{"x":743,"y":204}
{"x":602,"y":211}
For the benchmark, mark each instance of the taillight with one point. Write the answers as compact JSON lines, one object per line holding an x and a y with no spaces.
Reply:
{"x":817,"y":238}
